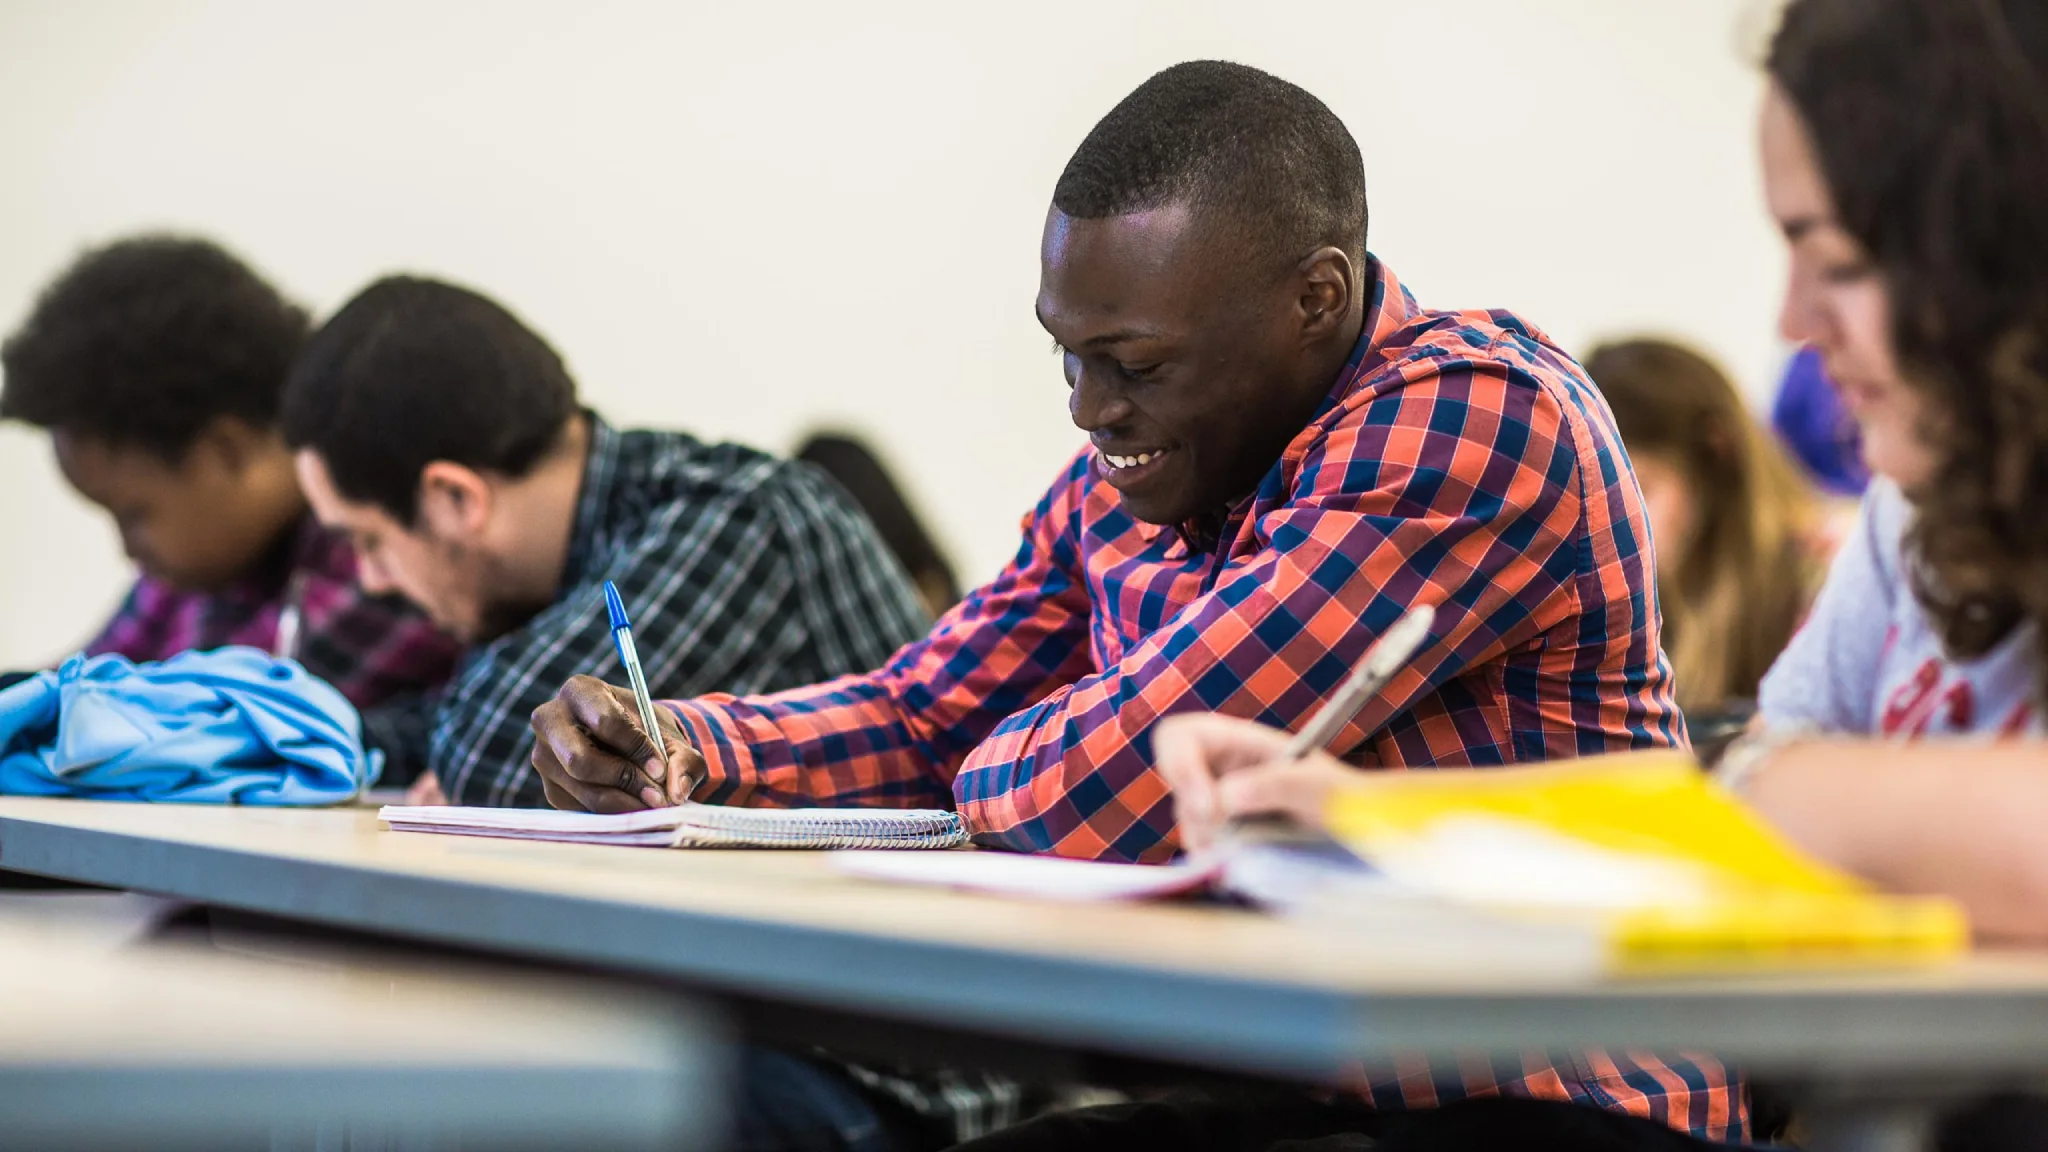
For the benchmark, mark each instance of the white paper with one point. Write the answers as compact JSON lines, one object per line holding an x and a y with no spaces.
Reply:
{"x":1037,"y":877}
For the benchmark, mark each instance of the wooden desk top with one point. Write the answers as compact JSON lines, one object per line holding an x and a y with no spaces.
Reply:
{"x":1209,"y":985}
{"x":154,"y":1045}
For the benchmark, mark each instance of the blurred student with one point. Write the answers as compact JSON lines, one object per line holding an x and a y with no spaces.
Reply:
{"x":157,"y":364}
{"x":1738,"y":531}
{"x":856,"y":468}
{"x":1934,"y":323}
{"x":444,"y":438}
{"x":1881,"y":115}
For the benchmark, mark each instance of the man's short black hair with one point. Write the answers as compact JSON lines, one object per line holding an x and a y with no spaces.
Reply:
{"x":1231,"y":139}
{"x":145,"y":341}
{"x":412,"y":371}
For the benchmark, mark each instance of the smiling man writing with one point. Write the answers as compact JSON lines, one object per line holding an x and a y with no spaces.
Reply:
{"x":1286,"y":451}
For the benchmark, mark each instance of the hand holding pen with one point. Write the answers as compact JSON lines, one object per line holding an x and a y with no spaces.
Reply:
{"x":599,"y":747}
{"x":629,"y":655}
{"x":1224,"y":771}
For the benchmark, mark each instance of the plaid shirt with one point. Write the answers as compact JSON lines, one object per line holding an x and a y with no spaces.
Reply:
{"x":742,"y":572}
{"x":1460,"y":458}
{"x":376,"y":650}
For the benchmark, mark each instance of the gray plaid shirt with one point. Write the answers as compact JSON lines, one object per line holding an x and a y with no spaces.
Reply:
{"x":743,"y":573}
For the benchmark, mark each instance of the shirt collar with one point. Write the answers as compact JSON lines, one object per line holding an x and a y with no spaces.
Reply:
{"x":600,"y":477}
{"x":304,"y":545}
{"x":1388,"y":309}
{"x":322,"y":552}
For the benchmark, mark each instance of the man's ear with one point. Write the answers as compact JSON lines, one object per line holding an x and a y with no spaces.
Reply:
{"x":454,"y":501}
{"x":1328,"y":280}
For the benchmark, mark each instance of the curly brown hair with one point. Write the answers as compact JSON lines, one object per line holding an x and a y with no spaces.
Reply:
{"x":145,"y":341}
{"x":1929,"y":119}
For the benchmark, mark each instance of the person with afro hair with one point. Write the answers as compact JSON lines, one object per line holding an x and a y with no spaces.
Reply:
{"x":156,"y":363}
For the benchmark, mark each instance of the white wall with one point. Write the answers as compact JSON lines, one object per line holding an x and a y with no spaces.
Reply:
{"x":747,"y":218}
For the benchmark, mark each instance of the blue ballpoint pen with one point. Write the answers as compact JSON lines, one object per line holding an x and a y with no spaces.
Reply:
{"x":622,"y":636}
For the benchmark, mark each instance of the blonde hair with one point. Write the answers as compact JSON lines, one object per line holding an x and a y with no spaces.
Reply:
{"x":1750,"y":568}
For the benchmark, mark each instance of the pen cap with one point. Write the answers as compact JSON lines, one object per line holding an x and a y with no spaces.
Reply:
{"x":615,"y":607}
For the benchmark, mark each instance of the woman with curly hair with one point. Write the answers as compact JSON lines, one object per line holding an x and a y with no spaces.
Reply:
{"x":1905,"y":159}
{"x":1905,"y":149}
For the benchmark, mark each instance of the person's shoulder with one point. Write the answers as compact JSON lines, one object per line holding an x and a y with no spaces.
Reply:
{"x":676,"y":477}
{"x":1881,"y":528}
{"x":1490,"y":338}
{"x":1886,"y":512}
{"x":151,"y":596}
{"x":658,"y":451}
{"x":1484,"y":379}
{"x":149,"y":620}
{"x":1476,"y":407}
{"x":665,"y":466}
{"x":322,"y":553}
{"x":1492,"y":360}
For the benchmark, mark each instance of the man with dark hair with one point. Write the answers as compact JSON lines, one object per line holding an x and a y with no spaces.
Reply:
{"x":156,"y":363}
{"x":1286,"y":453}
{"x":444,"y":438}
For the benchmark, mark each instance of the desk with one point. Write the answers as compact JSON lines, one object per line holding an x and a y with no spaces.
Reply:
{"x":1195,"y":985}
{"x":117,"y":1045}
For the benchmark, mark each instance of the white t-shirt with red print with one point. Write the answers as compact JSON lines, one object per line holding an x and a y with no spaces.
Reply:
{"x":1868,"y":661}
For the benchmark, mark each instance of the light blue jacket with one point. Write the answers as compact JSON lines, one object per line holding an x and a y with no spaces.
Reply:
{"x":229,"y":726}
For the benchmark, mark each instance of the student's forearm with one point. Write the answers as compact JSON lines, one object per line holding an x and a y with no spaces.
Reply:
{"x":1964,"y":820}
{"x":843,"y":744}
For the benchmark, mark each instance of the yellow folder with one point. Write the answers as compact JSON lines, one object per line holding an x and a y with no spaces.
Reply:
{"x":1665,"y":865}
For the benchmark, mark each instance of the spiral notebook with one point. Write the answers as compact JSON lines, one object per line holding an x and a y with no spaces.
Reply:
{"x":694,"y":826}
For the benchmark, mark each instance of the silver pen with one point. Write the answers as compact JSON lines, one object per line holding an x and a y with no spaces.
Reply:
{"x":622,"y":636}
{"x":1382,"y":661}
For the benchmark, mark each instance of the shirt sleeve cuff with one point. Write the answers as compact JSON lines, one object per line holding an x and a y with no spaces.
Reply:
{"x":729,"y":762}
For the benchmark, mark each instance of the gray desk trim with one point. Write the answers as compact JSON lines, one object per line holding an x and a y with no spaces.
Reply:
{"x":1243,"y":1025}
{"x":1269,"y":1028}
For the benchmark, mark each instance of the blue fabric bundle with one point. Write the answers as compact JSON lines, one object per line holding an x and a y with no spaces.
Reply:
{"x":229,"y":726}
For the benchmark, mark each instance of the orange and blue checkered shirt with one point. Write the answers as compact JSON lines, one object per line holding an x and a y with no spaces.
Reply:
{"x":1461,"y":458}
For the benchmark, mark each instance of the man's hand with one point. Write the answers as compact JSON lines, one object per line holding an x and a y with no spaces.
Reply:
{"x":426,"y":791}
{"x":1220,"y":767}
{"x":593,"y":756}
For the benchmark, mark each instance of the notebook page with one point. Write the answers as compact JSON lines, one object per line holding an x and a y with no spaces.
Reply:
{"x":659,"y":838}
{"x":818,"y":821}
{"x":443,"y":817}
{"x":695,"y":825}
{"x":1036,"y":877}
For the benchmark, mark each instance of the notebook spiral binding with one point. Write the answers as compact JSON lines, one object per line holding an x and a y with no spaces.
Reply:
{"x":710,"y":827}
